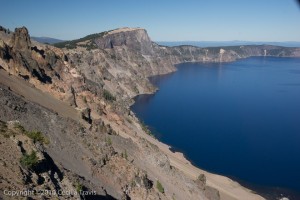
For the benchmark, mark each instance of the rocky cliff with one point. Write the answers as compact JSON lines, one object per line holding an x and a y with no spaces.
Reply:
{"x":129,"y":56}
{"x":78,"y":96}
{"x":228,"y":53}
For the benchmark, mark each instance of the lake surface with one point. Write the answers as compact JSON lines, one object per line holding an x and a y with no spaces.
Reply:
{"x":239,"y":119}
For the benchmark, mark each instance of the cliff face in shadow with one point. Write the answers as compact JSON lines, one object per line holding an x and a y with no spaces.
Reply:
{"x":79,"y":95}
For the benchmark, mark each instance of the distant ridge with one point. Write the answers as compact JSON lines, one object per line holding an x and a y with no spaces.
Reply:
{"x":47,"y":40}
{"x":226,"y":43}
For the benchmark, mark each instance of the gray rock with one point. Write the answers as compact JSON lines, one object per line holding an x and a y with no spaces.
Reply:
{"x":142,"y":180}
{"x":201,"y":181}
{"x":2,"y":163}
{"x":21,"y":39}
{"x":86,"y":115}
{"x":211,"y":193}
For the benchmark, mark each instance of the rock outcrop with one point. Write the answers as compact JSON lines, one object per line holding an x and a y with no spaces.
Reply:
{"x":20,"y":58}
{"x":21,"y":39}
{"x":135,"y":39}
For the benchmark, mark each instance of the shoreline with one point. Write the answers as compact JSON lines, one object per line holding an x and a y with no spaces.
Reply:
{"x":229,"y":189}
{"x":266,"y":192}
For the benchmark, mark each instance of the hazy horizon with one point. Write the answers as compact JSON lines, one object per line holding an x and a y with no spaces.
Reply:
{"x":205,"y":44}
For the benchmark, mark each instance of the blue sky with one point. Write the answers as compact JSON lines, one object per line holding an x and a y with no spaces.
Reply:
{"x":165,"y":20}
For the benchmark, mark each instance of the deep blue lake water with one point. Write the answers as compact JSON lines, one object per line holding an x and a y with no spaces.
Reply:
{"x":239,"y":119}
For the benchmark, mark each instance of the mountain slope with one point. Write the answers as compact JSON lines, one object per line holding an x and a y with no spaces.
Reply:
{"x":91,"y":83}
{"x":47,"y":40}
{"x":90,"y":147}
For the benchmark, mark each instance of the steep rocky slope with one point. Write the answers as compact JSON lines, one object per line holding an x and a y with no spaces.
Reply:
{"x":87,"y":144}
{"x":27,"y":168}
{"x":78,"y":96}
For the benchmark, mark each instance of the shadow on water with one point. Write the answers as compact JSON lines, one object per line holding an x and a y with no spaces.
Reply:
{"x":156,"y":80}
{"x":144,"y":98}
